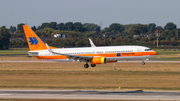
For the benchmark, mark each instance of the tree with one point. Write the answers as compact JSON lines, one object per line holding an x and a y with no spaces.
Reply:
{"x":12,"y":29}
{"x":78,"y":26}
{"x":39,"y":32}
{"x":20,"y":27}
{"x":164,"y":34}
{"x":61,"y":26}
{"x":170,"y":26}
{"x":136,"y":29}
{"x":141,"y":28}
{"x":4,"y":38}
{"x":106,"y":29}
{"x":116,"y":27}
{"x":18,"y":34}
{"x":53,"y":25}
{"x":43,"y":25}
{"x":152,"y":27}
{"x":46,"y":32}
{"x":55,"y":32}
{"x":159,"y":28}
{"x":131,"y":31}
{"x":33,"y":28}
{"x":69,"y":26}
{"x":92,"y":27}
{"x":152,"y":37}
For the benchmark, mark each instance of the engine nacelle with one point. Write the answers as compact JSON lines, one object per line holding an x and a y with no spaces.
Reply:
{"x":98,"y":60}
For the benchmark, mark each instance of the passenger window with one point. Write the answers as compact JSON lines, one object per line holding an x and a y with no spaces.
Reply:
{"x":147,"y":49}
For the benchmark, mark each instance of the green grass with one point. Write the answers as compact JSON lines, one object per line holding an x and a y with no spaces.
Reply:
{"x":168,"y":55}
{"x":162,"y":55}
{"x":128,"y":76}
{"x":20,"y":50}
{"x":15,"y":51}
{"x":162,"y":51}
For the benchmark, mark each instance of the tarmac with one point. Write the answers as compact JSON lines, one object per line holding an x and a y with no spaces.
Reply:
{"x":90,"y":94}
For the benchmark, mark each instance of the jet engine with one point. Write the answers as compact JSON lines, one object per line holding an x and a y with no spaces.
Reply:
{"x":98,"y":60}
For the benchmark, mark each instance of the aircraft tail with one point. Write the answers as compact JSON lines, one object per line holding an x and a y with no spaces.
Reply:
{"x":34,"y":42}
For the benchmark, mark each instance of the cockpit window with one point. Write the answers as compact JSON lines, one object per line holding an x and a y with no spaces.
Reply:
{"x":147,"y":49}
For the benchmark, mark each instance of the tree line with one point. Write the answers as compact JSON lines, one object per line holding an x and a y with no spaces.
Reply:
{"x":4,"y":38}
{"x":77,"y":34}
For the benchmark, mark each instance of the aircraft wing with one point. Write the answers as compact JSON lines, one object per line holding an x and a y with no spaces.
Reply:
{"x":74,"y":57}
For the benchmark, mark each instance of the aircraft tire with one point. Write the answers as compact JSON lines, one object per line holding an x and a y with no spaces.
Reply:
{"x":143,"y":63}
{"x":86,"y":65}
{"x":93,"y":65}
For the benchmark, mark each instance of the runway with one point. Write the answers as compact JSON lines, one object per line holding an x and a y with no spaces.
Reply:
{"x":90,"y":94}
{"x":46,"y":61}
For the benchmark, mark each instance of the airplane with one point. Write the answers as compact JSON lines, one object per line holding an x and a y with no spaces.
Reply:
{"x":93,"y":55}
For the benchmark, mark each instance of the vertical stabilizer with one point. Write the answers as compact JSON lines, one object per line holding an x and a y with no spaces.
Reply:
{"x":34,"y":42}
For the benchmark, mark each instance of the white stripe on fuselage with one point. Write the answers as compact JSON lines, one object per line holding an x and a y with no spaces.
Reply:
{"x":85,"y":50}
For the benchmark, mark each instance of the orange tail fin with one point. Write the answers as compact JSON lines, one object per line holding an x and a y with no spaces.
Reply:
{"x":34,"y":42}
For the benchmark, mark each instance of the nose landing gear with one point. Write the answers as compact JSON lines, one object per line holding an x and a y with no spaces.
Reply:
{"x":143,"y":63}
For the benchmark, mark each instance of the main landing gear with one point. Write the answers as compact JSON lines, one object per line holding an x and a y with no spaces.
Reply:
{"x":93,"y":65}
{"x":86,"y":65}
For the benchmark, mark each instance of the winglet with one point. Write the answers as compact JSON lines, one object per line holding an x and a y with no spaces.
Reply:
{"x":49,"y":49}
{"x":92,"y":44}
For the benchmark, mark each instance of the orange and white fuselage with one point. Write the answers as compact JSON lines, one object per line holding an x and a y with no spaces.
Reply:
{"x":112,"y":53}
{"x":94,"y":55}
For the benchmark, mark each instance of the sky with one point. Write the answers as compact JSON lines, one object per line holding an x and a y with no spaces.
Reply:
{"x":101,"y":12}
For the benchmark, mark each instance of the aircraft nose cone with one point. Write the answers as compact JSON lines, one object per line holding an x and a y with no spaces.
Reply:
{"x":154,"y":53}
